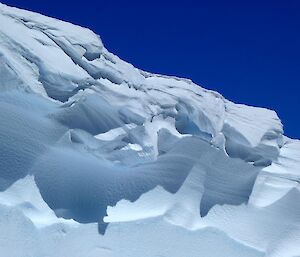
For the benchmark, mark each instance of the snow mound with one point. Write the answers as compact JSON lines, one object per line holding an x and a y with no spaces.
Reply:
{"x":97,"y":155}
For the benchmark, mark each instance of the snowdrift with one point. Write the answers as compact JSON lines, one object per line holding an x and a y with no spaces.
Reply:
{"x":99,"y":158}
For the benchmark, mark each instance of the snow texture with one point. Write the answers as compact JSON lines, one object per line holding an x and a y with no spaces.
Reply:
{"x":99,"y":158}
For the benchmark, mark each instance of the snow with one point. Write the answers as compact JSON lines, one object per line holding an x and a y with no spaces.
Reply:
{"x":24,"y":196}
{"x":99,"y":158}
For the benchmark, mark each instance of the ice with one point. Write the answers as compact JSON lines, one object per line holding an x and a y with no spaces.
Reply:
{"x":99,"y":158}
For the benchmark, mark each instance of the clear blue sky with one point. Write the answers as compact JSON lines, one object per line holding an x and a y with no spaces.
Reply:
{"x":249,"y":51}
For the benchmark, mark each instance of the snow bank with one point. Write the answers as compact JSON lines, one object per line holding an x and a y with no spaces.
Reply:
{"x":99,"y":158}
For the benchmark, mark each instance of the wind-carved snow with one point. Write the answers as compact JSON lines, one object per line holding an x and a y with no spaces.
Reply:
{"x":99,"y":158}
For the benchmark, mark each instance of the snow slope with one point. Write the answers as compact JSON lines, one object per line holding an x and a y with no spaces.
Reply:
{"x":99,"y":158}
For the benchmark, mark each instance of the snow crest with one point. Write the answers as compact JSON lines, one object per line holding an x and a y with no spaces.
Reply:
{"x":97,"y":155}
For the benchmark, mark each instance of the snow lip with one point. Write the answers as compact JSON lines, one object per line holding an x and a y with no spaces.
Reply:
{"x":89,"y":140}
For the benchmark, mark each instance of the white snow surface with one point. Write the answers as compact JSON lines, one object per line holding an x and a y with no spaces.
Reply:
{"x":101,"y":159}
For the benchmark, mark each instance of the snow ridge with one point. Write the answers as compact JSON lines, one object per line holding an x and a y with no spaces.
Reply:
{"x":94,"y":148}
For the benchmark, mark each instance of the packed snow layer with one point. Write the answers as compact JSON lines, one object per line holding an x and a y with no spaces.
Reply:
{"x":99,"y":158}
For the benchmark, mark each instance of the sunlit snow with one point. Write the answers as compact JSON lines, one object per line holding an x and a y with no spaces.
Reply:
{"x":99,"y":158}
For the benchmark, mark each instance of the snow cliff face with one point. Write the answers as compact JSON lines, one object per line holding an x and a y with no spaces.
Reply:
{"x":99,"y":158}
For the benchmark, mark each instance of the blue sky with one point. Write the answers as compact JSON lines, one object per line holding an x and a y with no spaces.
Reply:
{"x":249,"y":51}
